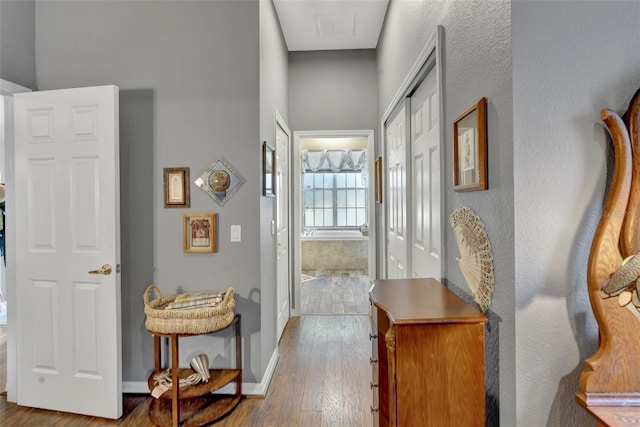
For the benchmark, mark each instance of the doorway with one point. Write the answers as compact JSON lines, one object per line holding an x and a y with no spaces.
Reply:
{"x":3,"y":281}
{"x":7,"y":270}
{"x":283,"y":234}
{"x":334,"y":213}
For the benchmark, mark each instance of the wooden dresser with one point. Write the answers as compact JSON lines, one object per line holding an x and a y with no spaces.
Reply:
{"x":427,"y":356}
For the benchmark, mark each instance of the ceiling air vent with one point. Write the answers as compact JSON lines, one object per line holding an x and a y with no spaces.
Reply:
{"x":336,"y":25}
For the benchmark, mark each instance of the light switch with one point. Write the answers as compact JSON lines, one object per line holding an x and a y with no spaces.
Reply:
{"x":236,"y":233}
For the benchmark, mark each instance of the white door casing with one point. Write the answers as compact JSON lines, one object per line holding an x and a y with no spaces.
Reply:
{"x":7,"y":91}
{"x":397,"y":225}
{"x":283,"y":268}
{"x":67,"y":196}
{"x":426,"y":182}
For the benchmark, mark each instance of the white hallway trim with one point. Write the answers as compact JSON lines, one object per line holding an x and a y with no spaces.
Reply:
{"x":7,"y":90}
{"x":248,"y":389}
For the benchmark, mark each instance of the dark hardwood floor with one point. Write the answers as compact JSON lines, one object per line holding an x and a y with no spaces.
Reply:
{"x":335,"y":292}
{"x":322,"y":379}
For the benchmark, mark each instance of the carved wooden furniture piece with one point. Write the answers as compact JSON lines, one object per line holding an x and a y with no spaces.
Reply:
{"x":194,"y":405}
{"x":611,"y":377}
{"x":427,"y":356}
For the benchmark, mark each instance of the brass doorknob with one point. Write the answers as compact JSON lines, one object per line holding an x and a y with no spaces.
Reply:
{"x":105,"y":269}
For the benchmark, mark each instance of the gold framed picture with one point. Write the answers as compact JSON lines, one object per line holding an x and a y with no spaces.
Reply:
{"x":470,"y":148}
{"x":200,"y":232}
{"x":176,"y":188}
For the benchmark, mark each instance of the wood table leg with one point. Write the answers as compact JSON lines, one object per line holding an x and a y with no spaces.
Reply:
{"x":156,"y":352}
{"x":238,"y":356}
{"x":175,"y":379}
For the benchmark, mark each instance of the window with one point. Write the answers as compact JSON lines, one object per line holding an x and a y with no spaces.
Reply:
{"x":334,"y":200}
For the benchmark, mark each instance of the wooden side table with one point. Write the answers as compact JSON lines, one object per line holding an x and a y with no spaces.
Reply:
{"x":195,"y":405}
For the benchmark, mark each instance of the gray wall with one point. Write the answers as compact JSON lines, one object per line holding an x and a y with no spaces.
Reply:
{"x":273,"y":97}
{"x":17,"y":42}
{"x":333,"y":90}
{"x":189,"y":79}
{"x":477,"y":63}
{"x":570,"y":60}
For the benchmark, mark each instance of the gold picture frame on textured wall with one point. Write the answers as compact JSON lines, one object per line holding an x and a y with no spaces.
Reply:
{"x":470,"y":148}
{"x":200,"y":232}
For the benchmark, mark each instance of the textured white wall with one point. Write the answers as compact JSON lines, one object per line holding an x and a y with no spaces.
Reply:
{"x":570,"y":60}
{"x":477,"y":63}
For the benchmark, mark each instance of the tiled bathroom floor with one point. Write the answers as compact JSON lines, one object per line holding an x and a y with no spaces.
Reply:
{"x":335,"y":292}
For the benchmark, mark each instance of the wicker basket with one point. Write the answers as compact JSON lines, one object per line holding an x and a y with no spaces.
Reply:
{"x":192,"y":322}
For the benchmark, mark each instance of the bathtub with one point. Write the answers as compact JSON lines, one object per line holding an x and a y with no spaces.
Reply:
{"x":335,"y":250}
{"x":335,"y":235}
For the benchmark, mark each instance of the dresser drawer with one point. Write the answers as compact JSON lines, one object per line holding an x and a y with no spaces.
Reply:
{"x":373,"y":315}
{"x":373,"y":335}
{"x":374,"y":338}
{"x":383,"y":373}
{"x":375,"y":377}
{"x":375,"y":407}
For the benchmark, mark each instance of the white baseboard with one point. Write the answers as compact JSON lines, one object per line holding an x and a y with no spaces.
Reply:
{"x":248,"y":389}
{"x":260,"y":389}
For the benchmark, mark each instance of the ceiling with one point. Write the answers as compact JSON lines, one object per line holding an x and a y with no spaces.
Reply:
{"x":331,"y":24}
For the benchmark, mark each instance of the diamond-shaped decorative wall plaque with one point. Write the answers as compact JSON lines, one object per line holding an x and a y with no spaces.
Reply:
{"x":220,"y":181}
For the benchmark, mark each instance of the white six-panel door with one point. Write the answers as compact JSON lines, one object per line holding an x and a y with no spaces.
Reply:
{"x":396,"y":176}
{"x":282,"y":226}
{"x":425,"y":184}
{"x":68,"y":224}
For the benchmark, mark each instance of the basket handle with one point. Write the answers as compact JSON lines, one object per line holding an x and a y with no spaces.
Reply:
{"x":147,"y":293}
{"x":227,"y":296}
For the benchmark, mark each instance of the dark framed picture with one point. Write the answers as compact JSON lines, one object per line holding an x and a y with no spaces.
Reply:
{"x":378,"y":181}
{"x":470,"y":148}
{"x":200,"y":232}
{"x":268,"y":170}
{"x":176,"y":188}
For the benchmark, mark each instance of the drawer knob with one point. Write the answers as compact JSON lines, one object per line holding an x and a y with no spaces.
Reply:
{"x":372,"y":361}
{"x":372,"y":336}
{"x":372,"y":385}
{"x":376,"y":409}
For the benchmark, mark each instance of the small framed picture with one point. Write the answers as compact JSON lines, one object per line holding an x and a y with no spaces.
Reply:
{"x":200,"y":232}
{"x":268,"y":170}
{"x":176,"y":188}
{"x":378,"y":181}
{"x":470,"y":148}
